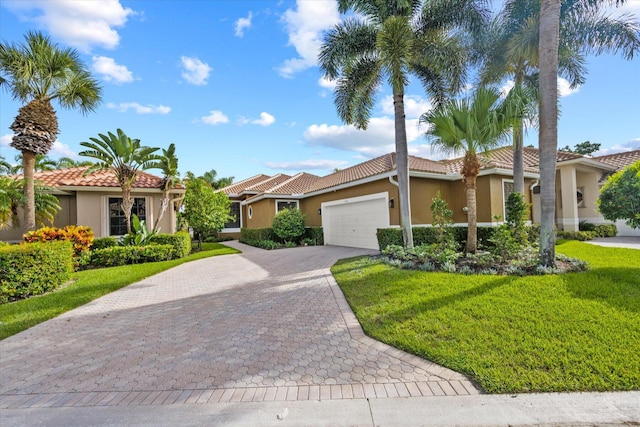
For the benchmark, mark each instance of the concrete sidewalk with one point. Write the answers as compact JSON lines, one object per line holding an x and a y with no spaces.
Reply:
{"x":628,"y":242}
{"x":563,"y":409}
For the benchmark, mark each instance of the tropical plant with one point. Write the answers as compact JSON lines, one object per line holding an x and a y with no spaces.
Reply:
{"x":124,"y":157}
{"x":12,"y":195}
{"x":620,"y":196}
{"x":139,"y":236}
{"x":42,"y":163}
{"x":68,"y":162}
{"x":6,"y":168}
{"x":470,"y":126}
{"x":205,"y":210}
{"x":167,"y":162}
{"x":36,"y":73}
{"x":393,"y":40}
{"x":510,"y":49}
{"x":216,"y":183}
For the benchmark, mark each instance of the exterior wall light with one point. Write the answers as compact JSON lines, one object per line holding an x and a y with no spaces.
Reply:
{"x":391,"y":204}
{"x":465,"y":209}
{"x":319,"y":211}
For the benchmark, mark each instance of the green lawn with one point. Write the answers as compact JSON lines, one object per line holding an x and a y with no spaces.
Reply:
{"x":573,"y":332}
{"x":87,"y":286}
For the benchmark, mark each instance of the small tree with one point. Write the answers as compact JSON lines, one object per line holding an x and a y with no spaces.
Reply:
{"x":288,"y":224}
{"x":517,"y":213}
{"x":442,"y":221}
{"x":620,"y":196}
{"x":205,"y":211}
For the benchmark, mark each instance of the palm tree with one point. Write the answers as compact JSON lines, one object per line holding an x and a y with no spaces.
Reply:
{"x":12,"y":195}
{"x":167,"y":162}
{"x":548,"y":136}
{"x":511,"y":49}
{"x":396,"y":39}
{"x":36,"y":73}
{"x":472,"y":126}
{"x":68,"y":162}
{"x":123,"y":156}
{"x":41,"y":163}
{"x":216,"y":183}
{"x":5,"y":167}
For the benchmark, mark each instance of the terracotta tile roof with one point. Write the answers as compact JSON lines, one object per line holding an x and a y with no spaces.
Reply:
{"x":74,"y":177}
{"x":620,"y":160}
{"x":296,"y":184}
{"x":241,"y":186}
{"x":268,"y":184}
{"x":373,"y":167}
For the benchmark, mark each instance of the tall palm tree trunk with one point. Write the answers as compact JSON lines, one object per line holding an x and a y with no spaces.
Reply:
{"x":472,"y":216}
{"x":518,"y":146}
{"x":127,"y":205}
{"x":402,"y":165}
{"x":28,"y":166}
{"x":548,"y":136}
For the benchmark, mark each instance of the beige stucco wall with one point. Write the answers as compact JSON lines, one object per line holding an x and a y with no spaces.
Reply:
{"x":263,"y":212}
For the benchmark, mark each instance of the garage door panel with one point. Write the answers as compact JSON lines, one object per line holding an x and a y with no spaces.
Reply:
{"x":354,"y":222}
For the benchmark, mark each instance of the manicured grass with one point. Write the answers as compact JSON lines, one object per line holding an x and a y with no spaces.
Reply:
{"x":572,"y":332}
{"x":87,"y":286}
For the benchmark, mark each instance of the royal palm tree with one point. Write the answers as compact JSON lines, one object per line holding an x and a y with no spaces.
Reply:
{"x":511,"y":49}
{"x":123,"y":156}
{"x":471,"y":127}
{"x":167,"y":162}
{"x":395,"y":39}
{"x":36,"y":73}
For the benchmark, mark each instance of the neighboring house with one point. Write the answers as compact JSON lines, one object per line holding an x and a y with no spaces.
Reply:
{"x":94,"y":200}
{"x":351,"y":204}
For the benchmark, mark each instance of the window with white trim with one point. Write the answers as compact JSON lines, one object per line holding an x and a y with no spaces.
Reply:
{"x":117,"y":219}
{"x":286,"y":204}
{"x":234,"y":211}
{"x":580,"y":197}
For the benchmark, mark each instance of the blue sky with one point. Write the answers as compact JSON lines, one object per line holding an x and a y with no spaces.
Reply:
{"x":235,"y":85}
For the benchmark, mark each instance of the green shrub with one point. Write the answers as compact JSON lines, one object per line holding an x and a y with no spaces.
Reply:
{"x":264,"y":244}
{"x":288,"y":224}
{"x":585,"y":225}
{"x":253,"y":234}
{"x":517,"y":212}
{"x":606,"y":230}
{"x":181,"y":242}
{"x":314,"y":234}
{"x":104,"y":242}
{"x":442,"y":221}
{"x":2,"y":243}
{"x":576,"y":235}
{"x":34,"y":268}
{"x":125,"y":255}
{"x":428,"y":236}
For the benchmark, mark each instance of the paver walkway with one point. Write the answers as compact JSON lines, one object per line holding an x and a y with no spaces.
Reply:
{"x":258,"y":326}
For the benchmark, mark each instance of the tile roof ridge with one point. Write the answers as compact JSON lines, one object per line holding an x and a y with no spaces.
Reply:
{"x":618,"y":154}
{"x":290,"y":180}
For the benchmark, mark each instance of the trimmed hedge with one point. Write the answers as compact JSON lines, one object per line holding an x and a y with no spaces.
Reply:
{"x":34,"y":268}
{"x":125,"y":255}
{"x":576,"y":235}
{"x":104,"y":242}
{"x":181,"y":242}
{"x":265,"y":238}
{"x":606,"y":230}
{"x":255,"y":234}
{"x":428,"y":236}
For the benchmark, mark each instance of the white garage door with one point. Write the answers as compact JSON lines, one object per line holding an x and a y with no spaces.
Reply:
{"x":354,"y":222}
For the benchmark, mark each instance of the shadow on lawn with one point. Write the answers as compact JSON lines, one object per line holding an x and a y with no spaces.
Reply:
{"x":618,"y":287}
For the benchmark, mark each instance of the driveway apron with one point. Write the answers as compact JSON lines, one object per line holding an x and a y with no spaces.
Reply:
{"x":256,"y":326}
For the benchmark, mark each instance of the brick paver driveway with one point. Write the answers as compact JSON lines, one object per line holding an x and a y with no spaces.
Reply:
{"x":258,"y":326}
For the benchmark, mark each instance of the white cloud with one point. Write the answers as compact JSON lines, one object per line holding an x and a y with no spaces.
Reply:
{"x":111,"y":71}
{"x":631,"y":145}
{"x":242,"y":24}
{"x":564,"y":88}
{"x":312,"y":164}
{"x":215,"y":117}
{"x":195,"y":71}
{"x":265,"y":119}
{"x":139,"y":108}
{"x":58,"y":149}
{"x":81,"y":24}
{"x":5,"y":140}
{"x":305,"y":26}
{"x":327,"y":84}
{"x":414,"y":106}
{"x":378,"y":139}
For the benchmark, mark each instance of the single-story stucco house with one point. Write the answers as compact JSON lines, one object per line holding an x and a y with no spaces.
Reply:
{"x":351,"y":204}
{"x":94,"y":200}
